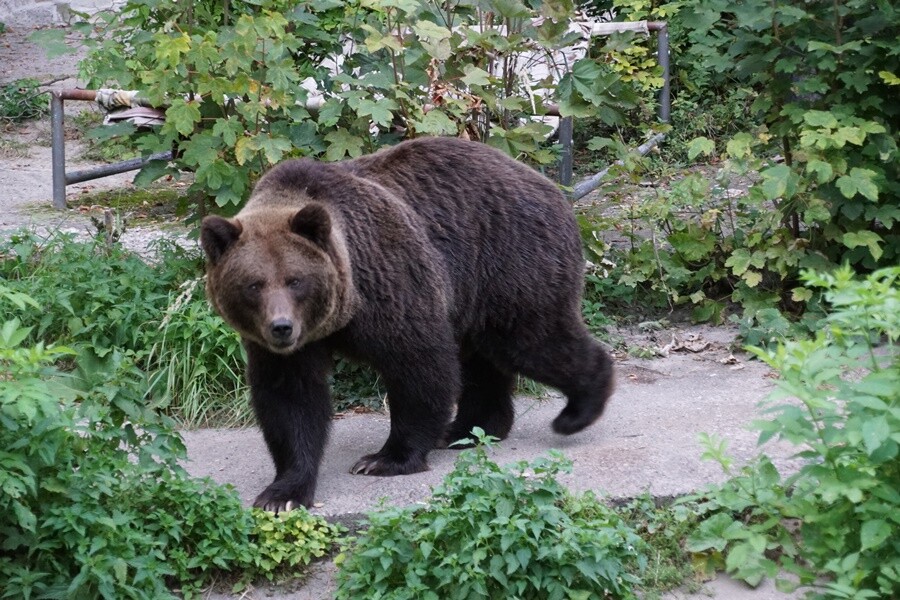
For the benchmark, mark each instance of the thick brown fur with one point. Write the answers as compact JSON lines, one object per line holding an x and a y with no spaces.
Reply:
{"x":444,"y":264}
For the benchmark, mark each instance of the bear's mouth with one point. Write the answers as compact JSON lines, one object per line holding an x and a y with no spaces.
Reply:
{"x":282,"y":346}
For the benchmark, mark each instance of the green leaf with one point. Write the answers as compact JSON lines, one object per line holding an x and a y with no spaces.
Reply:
{"x":873,"y":533}
{"x":436,"y":122}
{"x":801,"y":294}
{"x":858,"y":181}
{"x":120,"y":568}
{"x":889,"y":78}
{"x":380,"y":111}
{"x":183,"y":115}
{"x":510,"y":9}
{"x":342,"y":143}
{"x":435,"y":39}
{"x":777,"y":182}
{"x":870,"y":239}
{"x":752,"y":278}
{"x":739,"y":261}
{"x":824,"y":172}
{"x":170,"y":48}
{"x":875,"y":432}
{"x":376,"y":40}
{"x":740,"y":145}
{"x":700,"y":145}
{"x":819,"y":118}
{"x":273,"y":147}
{"x":475,"y":76}
{"x":599,"y":143}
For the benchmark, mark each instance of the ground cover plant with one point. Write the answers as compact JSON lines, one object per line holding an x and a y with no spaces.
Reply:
{"x":803,"y":171}
{"x":833,"y":524}
{"x":492,"y":532}
{"x":22,"y":100}
{"x":95,"y":503}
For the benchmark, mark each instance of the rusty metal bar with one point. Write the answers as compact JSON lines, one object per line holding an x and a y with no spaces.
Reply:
{"x":115,"y":168}
{"x":58,"y":149}
{"x":87,"y":95}
{"x":662,"y":54}
{"x":566,"y":131}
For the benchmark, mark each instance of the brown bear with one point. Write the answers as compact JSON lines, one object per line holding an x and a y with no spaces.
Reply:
{"x":446,"y":265}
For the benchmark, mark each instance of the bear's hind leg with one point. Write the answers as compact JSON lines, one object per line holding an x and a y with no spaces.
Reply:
{"x":569,"y":359}
{"x":422,"y":387}
{"x":486,"y":401}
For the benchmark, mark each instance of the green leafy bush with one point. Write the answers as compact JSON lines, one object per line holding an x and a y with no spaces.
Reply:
{"x":794,"y":103}
{"x":89,"y":293}
{"x":493,"y":532}
{"x":231,"y":82}
{"x":834,"y":522}
{"x":94,"y":502}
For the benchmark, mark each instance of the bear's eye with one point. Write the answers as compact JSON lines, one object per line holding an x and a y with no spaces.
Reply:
{"x":255,"y":286}
{"x":294,"y":284}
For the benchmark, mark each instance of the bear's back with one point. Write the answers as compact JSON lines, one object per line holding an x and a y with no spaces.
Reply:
{"x":505,"y":235}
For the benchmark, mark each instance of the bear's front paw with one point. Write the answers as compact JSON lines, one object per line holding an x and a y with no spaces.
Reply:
{"x":387,"y":466}
{"x":278,"y":498}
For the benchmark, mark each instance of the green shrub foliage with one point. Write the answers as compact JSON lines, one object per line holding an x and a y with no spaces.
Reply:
{"x":236,"y":85}
{"x":493,"y":532}
{"x":834,"y":523}
{"x":799,"y":103}
{"x":22,"y":100}
{"x":94,"y":502}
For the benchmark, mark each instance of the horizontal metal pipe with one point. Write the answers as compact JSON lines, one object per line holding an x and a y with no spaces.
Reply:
{"x":88,"y":95}
{"x":586,"y":186}
{"x":119,"y":167}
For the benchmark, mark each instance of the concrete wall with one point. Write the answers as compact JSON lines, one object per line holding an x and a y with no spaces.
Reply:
{"x":31,"y":13}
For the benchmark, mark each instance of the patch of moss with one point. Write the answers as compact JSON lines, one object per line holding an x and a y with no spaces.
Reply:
{"x":153,"y":204}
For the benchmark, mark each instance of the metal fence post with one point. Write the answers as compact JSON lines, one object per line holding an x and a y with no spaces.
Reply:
{"x":662,"y":50}
{"x":58,"y":150}
{"x":566,"y":160}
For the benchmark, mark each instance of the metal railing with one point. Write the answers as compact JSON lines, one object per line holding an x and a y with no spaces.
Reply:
{"x":61,"y":178}
{"x":566,"y":128}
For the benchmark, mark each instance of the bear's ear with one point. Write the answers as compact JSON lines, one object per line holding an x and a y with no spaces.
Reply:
{"x":217,"y":235}
{"x":313,"y":223}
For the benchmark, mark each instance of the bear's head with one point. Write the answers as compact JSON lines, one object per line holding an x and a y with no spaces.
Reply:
{"x":274,"y":275}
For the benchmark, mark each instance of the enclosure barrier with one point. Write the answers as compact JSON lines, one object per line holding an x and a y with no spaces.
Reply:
{"x":61,"y":178}
{"x":589,"y":184}
{"x":58,"y":149}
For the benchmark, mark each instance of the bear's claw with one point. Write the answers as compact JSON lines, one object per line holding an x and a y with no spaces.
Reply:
{"x":387,"y":466}
{"x":281,"y":500}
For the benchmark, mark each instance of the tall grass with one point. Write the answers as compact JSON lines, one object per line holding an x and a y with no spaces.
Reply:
{"x":197,"y":364}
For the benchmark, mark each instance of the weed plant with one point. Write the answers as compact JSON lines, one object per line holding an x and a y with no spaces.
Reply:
{"x":22,"y":100}
{"x":493,"y":532}
{"x":664,"y":529}
{"x":835,"y":523}
{"x":91,"y":294}
{"x":94,"y":502}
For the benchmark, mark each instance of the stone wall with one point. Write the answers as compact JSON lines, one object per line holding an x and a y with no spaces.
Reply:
{"x":31,"y":13}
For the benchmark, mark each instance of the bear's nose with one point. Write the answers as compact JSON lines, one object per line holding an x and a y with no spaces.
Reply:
{"x":282,"y":328}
